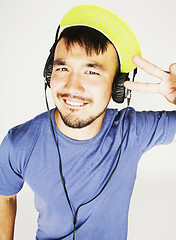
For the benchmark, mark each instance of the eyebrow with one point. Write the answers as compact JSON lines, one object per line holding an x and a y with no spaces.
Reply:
{"x":95,"y":65}
{"x":59,"y":62}
{"x":89,"y":64}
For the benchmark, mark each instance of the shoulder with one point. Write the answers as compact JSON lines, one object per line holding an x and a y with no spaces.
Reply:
{"x":20,"y":141}
{"x":117,"y":116}
{"x":28,"y":131}
{"x":116,"y":120}
{"x":140,"y":120}
{"x":131,"y":114}
{"x":17,"y":146}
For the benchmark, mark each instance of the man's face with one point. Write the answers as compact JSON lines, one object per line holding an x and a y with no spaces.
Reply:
{"x":81,"y":85}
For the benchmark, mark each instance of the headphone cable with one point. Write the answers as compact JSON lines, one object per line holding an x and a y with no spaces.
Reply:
{"x":60,"y":162}
{"x":61,"y":172}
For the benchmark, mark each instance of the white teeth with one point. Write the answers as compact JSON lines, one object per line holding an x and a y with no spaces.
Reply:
{"x":76,"y":104}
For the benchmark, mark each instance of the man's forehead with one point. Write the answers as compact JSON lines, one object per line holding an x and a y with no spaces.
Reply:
{"x":62,"y":44}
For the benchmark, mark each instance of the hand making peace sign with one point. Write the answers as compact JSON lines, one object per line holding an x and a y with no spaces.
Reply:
{"x":167,"y":86}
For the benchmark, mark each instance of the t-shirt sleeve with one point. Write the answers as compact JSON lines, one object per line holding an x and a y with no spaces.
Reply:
{"x":11,"y":180}
{"x":154,"y":128}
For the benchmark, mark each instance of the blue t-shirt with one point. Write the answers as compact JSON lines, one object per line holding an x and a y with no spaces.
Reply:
{"x":28,"y":153}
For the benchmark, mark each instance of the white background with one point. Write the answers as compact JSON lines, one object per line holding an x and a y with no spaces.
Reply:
{"x":27,"y":33}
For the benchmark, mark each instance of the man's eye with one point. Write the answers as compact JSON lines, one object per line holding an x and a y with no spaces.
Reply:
{"x":92,"y":73}
{"x":63,"y":69}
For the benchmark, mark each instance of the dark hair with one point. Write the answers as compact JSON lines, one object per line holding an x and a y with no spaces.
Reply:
{"x":90,"y":39}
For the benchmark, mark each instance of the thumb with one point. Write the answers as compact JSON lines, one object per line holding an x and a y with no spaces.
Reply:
{"x":172,"y":69}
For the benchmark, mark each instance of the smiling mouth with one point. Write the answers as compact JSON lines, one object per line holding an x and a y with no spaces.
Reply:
{"x":74,"y":103}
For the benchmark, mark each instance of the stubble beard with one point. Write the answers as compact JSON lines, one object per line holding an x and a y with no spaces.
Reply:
{"x":71,"y":120}
{"x":75,"y":122}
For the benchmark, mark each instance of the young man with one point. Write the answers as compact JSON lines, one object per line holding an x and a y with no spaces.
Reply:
{"x":81,"y":159}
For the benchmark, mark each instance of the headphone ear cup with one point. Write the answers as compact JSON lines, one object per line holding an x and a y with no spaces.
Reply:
{"x":48,"y":68}
{"x":118,"y":89}
{"x":49,"y":63}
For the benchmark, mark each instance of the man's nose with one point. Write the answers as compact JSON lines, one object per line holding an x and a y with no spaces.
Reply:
{"x":74,"y":83}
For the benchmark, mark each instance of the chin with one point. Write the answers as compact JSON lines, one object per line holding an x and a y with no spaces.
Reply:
{"x":78,"y":123}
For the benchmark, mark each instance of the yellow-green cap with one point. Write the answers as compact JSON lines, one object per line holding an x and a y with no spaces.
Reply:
{"x":111,"y":25}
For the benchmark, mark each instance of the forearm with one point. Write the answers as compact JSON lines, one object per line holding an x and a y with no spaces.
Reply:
{"x":7,"y":217}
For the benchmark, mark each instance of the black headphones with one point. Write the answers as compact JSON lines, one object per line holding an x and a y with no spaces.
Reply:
{"x":118,"y":89}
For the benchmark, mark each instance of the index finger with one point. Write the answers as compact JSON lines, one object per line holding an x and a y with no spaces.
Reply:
{"x":149,"y":67}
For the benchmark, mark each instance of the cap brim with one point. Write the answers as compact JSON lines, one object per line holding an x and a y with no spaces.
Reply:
{"x":111,"y":25}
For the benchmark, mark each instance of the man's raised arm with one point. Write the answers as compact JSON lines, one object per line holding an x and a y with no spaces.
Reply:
{"x":167,"y":85}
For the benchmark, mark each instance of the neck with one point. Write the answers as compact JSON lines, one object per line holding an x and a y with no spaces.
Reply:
{"x":79,"y":134}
